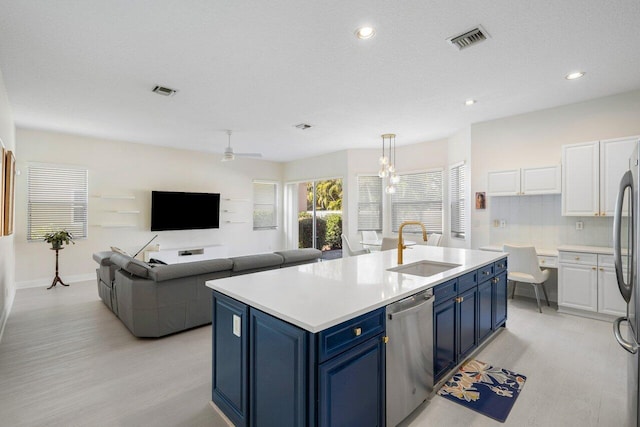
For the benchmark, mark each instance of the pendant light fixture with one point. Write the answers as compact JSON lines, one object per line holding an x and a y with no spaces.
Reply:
{"x":387,"y":163}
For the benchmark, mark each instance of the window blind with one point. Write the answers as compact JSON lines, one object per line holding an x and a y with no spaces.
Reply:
{"x":418,"y":197}
{"x":264,"y":206}
{"x":57,"y":200}
{"x":369,"y":203}
{"x":458,"y":203}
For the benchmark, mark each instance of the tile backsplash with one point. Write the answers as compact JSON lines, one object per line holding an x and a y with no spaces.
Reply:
{"x":537,"y":220}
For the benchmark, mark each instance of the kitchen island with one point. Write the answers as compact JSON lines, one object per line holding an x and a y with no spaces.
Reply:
{"x":305,"y":345}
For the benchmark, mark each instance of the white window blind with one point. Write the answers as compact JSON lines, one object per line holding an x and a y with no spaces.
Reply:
{"x":457,"y":193}
{"x":58,"y":200}
{"x":264,"y":206}
{"x":418,"y":197}
{"x":369,"y":203}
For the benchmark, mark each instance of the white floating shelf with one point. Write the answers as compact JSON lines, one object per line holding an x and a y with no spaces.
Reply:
{"x":235,"y":200}
{"x":126,"y":212}
{"x":116,"y":196}
{"x":235,"y":222}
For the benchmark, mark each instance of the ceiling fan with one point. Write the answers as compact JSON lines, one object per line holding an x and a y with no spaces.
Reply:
{"x":230,"y":155}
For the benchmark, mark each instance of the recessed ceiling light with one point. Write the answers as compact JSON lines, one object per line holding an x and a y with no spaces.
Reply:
{"x":364,"y":33}
{"x":470,"y":101}
{"x":573,"y":76}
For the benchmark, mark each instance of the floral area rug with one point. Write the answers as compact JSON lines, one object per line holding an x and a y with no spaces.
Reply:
{"x":484,"y":388}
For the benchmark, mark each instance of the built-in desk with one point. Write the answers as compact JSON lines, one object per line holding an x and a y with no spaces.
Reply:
{"x":546,"y":257}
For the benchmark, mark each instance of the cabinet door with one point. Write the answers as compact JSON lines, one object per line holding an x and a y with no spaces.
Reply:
{"x":229,"y":353}
{"x":485,"y":310}
{"x":614,"y":162}
{"x":278,"y":372}
{"x":499,"y":284}
{"x":544,"y":180}
{"x":467,"y":322}
{"x":609,"y":299}
{"x":351,"y":387}
{"x":578,"y":287}
{"x":504,"y":183}
{"x":444,"y":337}
{"x":580,"y":179}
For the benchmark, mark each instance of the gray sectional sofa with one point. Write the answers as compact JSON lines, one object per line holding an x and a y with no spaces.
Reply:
{"x":158,"y":300}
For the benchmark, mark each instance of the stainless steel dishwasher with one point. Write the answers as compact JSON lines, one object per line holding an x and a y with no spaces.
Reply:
{"x":409,"y":354}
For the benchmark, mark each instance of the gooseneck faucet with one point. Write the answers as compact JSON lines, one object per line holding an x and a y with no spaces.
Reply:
{"x":401,"y":245}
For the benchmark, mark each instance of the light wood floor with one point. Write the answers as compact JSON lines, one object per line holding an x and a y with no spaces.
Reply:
{"x":65,"y":360}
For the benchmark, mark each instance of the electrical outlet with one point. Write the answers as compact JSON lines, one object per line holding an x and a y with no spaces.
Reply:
{"x":503,"y":223}
{"x":579,"y":225}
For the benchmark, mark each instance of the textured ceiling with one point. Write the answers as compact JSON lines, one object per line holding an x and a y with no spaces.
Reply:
{"x":259,"y":68}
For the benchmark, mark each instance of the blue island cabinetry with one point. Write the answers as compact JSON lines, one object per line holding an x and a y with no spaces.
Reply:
{"x":467,"y":310}
{"x":268,"y":372}
{"x":271,"y":373}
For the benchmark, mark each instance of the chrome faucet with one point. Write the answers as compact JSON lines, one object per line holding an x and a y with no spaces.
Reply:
{"x":401,"y":244}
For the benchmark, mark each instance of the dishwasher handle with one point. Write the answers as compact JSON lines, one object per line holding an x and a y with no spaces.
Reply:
{"x":413,"y":309}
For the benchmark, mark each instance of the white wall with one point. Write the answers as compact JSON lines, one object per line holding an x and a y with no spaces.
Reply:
{"x":535,"y":139}
{"x":122,"y":168}
{"x":7,"y":248}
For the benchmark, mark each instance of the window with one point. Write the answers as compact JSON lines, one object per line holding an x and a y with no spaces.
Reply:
{"x":418,"y":197}
{"x":457,"y":193}
{"x":58,"y":200}
{"x":265,"y":216}
{"x":369,"y":203}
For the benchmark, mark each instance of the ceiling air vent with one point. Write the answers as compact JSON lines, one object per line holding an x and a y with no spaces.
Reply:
{"x":303,"y":126}
{"x":468,"y":38}
{"x":165,"y":91}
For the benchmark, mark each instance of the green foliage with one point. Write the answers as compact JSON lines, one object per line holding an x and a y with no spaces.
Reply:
{"x":334,"y":231}
{"x":328,"y":195}
{"x":57,"y":238}
{"x":305,"y":233}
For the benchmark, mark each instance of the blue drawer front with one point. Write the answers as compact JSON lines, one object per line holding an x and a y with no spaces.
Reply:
{"x":500,"y":266}
{"x":346,"y":335}
{"x":485,"y":273}
{"x":445,"y":291}
{"x":467,"y":281}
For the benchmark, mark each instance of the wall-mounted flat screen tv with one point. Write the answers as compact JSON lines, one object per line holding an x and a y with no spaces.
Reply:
{"x":171,"y":210}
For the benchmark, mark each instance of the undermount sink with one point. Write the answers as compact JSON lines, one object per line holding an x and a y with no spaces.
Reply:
{"x":423,"y":268}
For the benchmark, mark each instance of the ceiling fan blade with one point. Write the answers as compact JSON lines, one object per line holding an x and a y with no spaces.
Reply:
{"x":248,"y":154}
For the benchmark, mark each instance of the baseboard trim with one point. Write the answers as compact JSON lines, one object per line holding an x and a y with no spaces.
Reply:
{"x":589,"y":314}
{"x":47,"y":282}
{"x":4,"y":316}
{"x":222,"y":415}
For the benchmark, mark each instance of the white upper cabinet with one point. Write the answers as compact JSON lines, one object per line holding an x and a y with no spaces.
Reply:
{"x":614,"y":162}
{"x":526,"y":181}
{"x":591,"y":173}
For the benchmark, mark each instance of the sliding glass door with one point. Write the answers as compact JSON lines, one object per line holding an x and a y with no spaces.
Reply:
{"x":320,"y":216}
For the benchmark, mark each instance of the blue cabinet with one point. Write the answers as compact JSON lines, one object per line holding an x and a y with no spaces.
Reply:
{"x":278,"y":367}
{"x":444,"y":337}
{"x":229,"y":355}
{"x":351,"y":387}
{"x":465,"y":314}
{"x":500,"y":300}
{"x":267,"y":372}
{"x":485,"y":310}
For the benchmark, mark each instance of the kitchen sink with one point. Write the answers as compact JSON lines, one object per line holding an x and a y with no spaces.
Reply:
{"x":423,"y":268}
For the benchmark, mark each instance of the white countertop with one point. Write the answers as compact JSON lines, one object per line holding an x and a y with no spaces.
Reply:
{"x":586,"y":249}
{"x":320,"y":295}
{"x":539,"y":251}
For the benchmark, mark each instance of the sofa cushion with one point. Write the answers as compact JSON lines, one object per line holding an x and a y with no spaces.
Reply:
{"x":130,"y":265}
{"x":173,"y":271}
{"x":254,"y":262}
{"x":299,"y":256}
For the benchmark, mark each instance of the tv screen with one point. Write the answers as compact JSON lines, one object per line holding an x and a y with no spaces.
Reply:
{"x":171,"y":210}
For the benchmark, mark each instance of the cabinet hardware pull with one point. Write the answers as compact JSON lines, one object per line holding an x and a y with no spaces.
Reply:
{"x":385,"y":340}
{"x":597,"y":214}
{"x":357,"y":331}
{"x":603,"y":214}
{"x":577,"y":258}
{"x":593,"y":268}
{"x":486,"y":273}
{"x":459,"y":299}
{"x":601,"y":269}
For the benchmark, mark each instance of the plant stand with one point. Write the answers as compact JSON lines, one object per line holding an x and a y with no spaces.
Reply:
{"x":57,"y":279}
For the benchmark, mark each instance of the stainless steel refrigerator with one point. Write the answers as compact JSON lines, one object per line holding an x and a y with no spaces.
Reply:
{"x":626,"y":227}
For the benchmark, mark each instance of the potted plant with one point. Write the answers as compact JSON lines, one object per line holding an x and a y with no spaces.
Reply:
{"x":57,"y":238}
